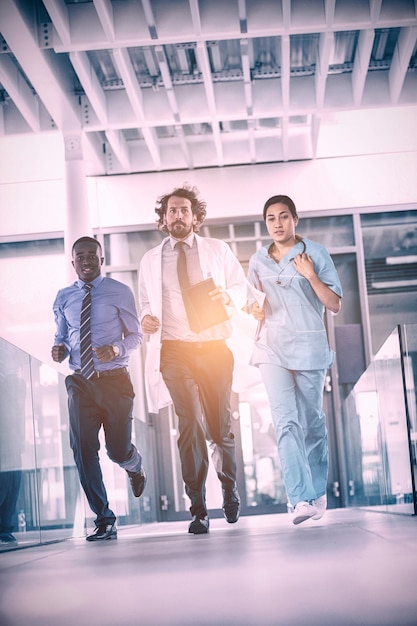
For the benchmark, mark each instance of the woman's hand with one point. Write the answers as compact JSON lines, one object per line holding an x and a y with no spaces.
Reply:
{"x":257,"y":312}
{"x":304,"y":265}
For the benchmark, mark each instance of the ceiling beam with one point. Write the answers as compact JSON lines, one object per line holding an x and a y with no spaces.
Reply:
{"x":42,"y":67}
{"x":104,"y":10}
{"x":166,"y":79}
{"x":195,"y":16}
{"x":247,"y":84}
{"x":361,"y":64}
{"x":135,"y":95}
{"x":204,"y":65}
{"x":286,"y":14}
{"x":401,"y":60}
{"x":120,"y":148}
{"x":20,"y":93}
{"x":58,"y":12}
{"x":326,"y":45}
{"x":150,"y":18}
{"x":243,"y":18}
{"x":91,"y":85}
{"x":285,"y":72}
{"x":375,"y":8}
{"x":329,"y":8}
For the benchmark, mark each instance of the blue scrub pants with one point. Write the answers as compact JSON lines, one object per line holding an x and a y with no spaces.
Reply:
{"x":296,"y":400}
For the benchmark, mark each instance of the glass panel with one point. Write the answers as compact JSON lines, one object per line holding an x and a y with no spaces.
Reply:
{"x":264,"y":230}
{"x":219,"y":232}
{"x":41,"y":499}
{"x":41,"y":267}
{"x":244,"y":230}
{"x":56,"y":477}
{"x":245,"y":249}
{"x":128,"y":248}
{"x":19,"y":520}
{"x":350,"y":312}
{"x":329,"y":231}
{"x":390,"y":248}
{"x":128,"y":278}
{"x":384,"y":44}
{"x":304,"y":50}
{"x":409,"y":350}
{"x":344,"y":50}
{"x":376,"y":435}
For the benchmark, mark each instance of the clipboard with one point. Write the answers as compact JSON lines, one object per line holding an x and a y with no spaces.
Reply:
{"x":205,"y":311}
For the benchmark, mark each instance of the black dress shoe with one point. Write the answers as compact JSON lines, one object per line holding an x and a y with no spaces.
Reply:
{"x":138,"y":482}
{"x":103,"y":532}
{"x":8,"y":539}
{"x":231,"y":505}
{"x":199,"y":525}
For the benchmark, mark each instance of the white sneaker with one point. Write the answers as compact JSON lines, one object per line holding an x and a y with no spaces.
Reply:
{"x":321,"y":506}
{"x":303,"y":511}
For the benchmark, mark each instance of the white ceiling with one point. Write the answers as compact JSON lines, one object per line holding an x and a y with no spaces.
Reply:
{"x":157,"y":85}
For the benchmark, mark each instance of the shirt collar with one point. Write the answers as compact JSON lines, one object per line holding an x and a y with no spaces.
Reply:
{"x":188,"y":240}
{"x":94,"y":282}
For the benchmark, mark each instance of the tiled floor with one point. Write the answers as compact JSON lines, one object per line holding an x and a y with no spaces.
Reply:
{"x":352,"y":568}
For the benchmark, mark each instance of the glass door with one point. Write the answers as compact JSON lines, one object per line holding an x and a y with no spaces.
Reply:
{"x":379,"y":416}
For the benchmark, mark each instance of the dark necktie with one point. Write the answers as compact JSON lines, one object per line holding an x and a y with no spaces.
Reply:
{"x":182,"y":266}
{"x":86,"y":349}
{"x":184,"y":284}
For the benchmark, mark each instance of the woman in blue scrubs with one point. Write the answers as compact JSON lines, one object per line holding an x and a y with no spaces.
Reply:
{"x":298,"y":281}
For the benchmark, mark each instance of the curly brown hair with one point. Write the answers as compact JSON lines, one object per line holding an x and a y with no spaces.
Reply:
{"x":198,"y":207}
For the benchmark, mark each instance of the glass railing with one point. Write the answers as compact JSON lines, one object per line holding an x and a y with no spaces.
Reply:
{"x":41,"y":500}
{"x":380,"y":428}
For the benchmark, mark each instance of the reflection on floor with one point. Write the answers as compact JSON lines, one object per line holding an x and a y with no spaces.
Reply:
{"x":352,"y":568}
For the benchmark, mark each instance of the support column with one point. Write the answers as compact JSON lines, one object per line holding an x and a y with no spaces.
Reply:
{"x":78,"y":219}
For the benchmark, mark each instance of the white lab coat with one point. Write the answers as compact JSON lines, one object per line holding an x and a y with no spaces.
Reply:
{"x":217,"y":261}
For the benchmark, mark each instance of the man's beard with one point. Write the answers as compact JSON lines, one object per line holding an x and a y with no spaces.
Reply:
{"x":179,"y":230}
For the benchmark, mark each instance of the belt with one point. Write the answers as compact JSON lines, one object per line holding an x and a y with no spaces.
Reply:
{"x":116,"y":372}
{"x":194,"y":345}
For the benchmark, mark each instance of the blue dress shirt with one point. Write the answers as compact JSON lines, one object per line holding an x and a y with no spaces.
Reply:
{"x":114,"y":320}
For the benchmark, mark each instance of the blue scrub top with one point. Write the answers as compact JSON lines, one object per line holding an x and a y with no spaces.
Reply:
{"x":293,"y":334}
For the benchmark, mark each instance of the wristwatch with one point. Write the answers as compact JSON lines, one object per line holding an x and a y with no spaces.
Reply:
{"x":116,"y":350}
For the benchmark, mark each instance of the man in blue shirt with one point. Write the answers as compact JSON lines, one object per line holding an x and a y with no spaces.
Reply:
{"x":105,"y":398}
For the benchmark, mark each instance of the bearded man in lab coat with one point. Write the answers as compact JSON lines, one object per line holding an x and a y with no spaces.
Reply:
{"x":192,"y":355}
